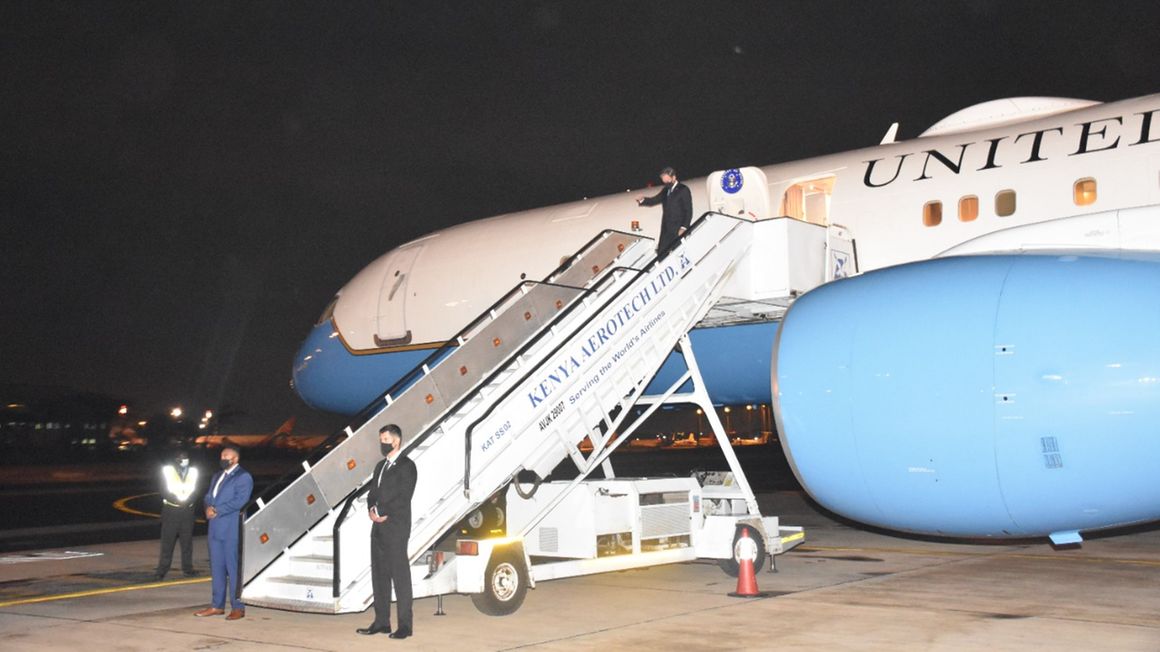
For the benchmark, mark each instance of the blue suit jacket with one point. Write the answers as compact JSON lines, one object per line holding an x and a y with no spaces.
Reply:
{"x":231,"y":498}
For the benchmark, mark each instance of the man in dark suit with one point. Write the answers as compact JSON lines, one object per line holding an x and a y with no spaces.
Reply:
{"x":229,"y":491}
{"x":676,"y":210}
{"x":389,"y":506}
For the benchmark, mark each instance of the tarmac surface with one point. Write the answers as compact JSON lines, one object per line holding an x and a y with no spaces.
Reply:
{"x":846,"y":588}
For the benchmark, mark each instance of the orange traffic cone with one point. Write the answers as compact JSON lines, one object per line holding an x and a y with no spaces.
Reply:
{"x":745,"y":550}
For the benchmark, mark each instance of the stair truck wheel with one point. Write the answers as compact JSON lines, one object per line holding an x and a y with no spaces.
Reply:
{"x":487,"y":520}
{"x":505,"y":583}
{"x":732,"y":566}
{"x":475,"y":520}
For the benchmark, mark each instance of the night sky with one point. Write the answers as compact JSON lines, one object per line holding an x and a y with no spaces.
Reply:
{"x":184,"y":186}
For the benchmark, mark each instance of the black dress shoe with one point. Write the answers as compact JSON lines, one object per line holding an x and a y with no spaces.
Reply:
{"x":192,"y":573}
{"x":402,"y":633}
{"x":373,"y":629}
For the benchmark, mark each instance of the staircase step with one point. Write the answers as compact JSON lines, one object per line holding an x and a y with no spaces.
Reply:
{"x":314,"y":559}
{"x":320,"y":567}
{"x":293,"y":588}
{"x":299,"y":580}
{"x":302,"y":606}
{"x":322,"y":545}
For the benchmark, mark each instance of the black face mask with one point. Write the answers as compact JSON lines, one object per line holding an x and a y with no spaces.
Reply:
{"x":225,"y":464}
{"x":387,"y":449}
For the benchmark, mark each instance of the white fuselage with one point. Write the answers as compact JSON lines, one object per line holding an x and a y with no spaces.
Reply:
{"x":421,"y":293}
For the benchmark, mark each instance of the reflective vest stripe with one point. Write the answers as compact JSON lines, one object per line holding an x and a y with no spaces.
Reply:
{"x":183,"y":489}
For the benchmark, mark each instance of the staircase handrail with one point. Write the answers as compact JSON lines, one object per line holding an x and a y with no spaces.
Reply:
{"x":467,"y":438}
{"x":374,"y":406}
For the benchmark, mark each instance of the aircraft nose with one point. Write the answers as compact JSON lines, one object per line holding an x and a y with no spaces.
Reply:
{"x":316,"y":374}
{"x":329,"y":376}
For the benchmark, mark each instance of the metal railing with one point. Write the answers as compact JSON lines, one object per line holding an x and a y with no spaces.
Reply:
{"x":433,"y":370}
{"x":638,"y":273}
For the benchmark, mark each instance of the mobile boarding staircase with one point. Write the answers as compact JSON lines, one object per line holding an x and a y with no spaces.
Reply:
{"x":518,"y":390}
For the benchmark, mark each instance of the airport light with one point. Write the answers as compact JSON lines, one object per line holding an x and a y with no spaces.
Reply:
{"x":142,"y":423}
{"x":201,"y":426}
{"x":176,"y":413}
{"x":208,"y":415}
{"x":123,"y":410}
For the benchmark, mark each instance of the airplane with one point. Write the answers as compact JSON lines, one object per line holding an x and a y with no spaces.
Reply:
{"x":283,"y":438}
{"x":980,"y":360}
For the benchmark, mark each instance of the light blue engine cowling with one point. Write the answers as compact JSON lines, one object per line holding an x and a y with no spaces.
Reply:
{"x":998,"y":396}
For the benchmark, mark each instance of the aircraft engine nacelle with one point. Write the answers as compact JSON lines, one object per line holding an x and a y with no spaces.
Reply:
{"x":998,"y":396}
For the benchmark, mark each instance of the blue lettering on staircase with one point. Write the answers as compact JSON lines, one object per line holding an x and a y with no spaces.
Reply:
{"x":592,"y":342}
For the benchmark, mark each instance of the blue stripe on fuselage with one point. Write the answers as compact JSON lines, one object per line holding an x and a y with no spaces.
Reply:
{"x":734,"y":361}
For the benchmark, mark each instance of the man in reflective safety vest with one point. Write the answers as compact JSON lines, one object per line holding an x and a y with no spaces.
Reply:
{"x":178,"y":485}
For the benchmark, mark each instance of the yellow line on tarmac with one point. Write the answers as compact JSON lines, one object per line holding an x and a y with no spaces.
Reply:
{"x":1054,"y":556}
{"x":121,"y":506}
{"x":808,"y":548}
{"x":1090,"y":560}
{"x":87,"y":594}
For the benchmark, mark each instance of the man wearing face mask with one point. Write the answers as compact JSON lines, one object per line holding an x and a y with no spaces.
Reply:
{"x":389,"y":506}
{"x":178,"y":483}
{"x":676,"y":210}
{"x":229,"y":491}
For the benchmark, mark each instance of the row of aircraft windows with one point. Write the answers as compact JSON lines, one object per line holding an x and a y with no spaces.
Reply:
{"x":1083,"y":194}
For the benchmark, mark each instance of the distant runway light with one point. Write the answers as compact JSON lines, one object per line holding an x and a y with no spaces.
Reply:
{"x":176,"y":413}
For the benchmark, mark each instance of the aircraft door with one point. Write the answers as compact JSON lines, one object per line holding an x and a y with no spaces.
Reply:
{"x":841,"y":254}
{"x":809,"y":200}
{"x":739,"y":191}
{"x":392,"y":315}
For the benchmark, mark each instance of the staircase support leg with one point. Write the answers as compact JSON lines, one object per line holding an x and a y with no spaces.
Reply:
{"x":600,"y":457}
{"x":701,"y":398}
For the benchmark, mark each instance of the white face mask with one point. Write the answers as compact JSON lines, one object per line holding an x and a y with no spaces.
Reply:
{"x":183,"y":463}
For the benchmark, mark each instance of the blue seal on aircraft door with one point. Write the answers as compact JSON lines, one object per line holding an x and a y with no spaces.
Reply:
{"x":731,"y":181}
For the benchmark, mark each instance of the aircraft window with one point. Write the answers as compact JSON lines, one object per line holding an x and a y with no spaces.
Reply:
{"x":968,"y":208}
{"x":932,"y":213}
{"x":1085,"y":191}
{"x":1005,"y":203}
